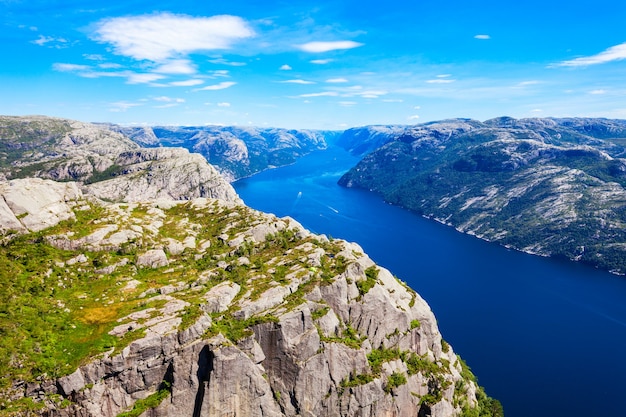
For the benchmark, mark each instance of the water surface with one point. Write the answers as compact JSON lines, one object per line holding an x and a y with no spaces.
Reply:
{"x":545,"y":337}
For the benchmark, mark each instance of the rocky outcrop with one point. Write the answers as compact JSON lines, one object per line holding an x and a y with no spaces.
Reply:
{"x":162,"y":173}
{"x":553,"y":187}
{"x":109,"y":164}
{"x":34,"y":204}
{"x":237,"y":152}
{"x":208,"y":308}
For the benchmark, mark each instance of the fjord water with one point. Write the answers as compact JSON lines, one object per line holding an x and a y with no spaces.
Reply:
{"x":546,"y":337}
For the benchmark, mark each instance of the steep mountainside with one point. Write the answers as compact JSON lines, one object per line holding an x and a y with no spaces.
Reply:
{"x":552,"y":187}
{"x":206,"y":308}
{"x":236,"y":151}
{"x":107,"y":163}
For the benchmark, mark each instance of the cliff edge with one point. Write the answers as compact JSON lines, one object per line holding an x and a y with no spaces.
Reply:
{"x":207,"y":308}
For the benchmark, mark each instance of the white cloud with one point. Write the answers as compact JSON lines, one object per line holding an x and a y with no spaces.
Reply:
{"x":393,"y":100}
{"x":122,"y":106}
{"x":93,"y":57}
{"x":224,"y":104}
{"x":161,"y":36}
{"x":219,"y":73}
{"x":321,"y":61}
{"x":176,"y":66}
{"x":322,"y":94}
{"x":614,"y":53}
{"x":297,"y":81}
{"x":143,"y":78}
{"x":526,"y":83}
{"x":336,"y":80}
{"x":348,"y":103}
{"x":317,"y":47}
{"x":444,"y":75}
{"x":62,"y":67}
{"x":597,"y":92}
{"x":223,"y":61}
{"x":219,"y":86}
{"x":166,"y":99}
{"x":109,"y":65}
{"x":483,"y":37}
{"x":187,"y":83}
{"x":414,"y":117}
{"x":285,"y":68}
{"x":51,"y":42}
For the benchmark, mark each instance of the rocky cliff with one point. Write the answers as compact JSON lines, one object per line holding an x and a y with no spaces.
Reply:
{"x":206,"y":308}
{"x":237,"y":152}
{"x":107,"y":164}
{"x":553,"y":187}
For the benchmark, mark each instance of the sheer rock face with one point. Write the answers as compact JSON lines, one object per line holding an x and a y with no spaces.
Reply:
{"x":285,"y":322}
{"x":108,"y":164}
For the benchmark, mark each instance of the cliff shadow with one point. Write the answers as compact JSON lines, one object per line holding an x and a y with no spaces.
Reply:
{"x":205,"y":367}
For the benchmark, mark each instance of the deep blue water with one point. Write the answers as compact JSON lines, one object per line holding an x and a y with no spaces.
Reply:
{"x":545,"y":337}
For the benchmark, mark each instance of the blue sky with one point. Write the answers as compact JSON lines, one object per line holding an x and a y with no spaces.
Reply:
{"x":324,"y":64}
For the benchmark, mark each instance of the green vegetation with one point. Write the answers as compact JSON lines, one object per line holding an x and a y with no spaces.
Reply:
{"x":394,"y":380}
{"x":377,"y":357}
{"x":486,"y":407}
{"x":511,"y":191}
{"x":371,"y":278}
{"x":150,"y":402}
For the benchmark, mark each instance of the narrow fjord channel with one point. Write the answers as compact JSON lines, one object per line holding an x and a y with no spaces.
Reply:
{"x":545,"y":337}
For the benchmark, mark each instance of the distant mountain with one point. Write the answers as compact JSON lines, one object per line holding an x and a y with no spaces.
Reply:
{"x":106,"y":164}
{"x":237,"y":152}
{"x":553,"y":187}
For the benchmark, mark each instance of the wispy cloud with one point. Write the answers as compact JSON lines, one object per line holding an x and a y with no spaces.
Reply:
{"x":598,"y":92}
{"x":62,"y":67}
{"x":143,"y":78}
{"x":187,"y":83}
{"x":482,"y":37}
{"x":223,"y":104}
{"x":348,"y":103}
{"x":222,"y":61}
{"x":440,"y":81}
{"x":167,"y":99}
{"x":336,"y":80}
{"x":221,"y":86}
{"x":614,"y":53}
{"x":285,"y":68}
{"x":321,"y":61}
{"x":122,"y":106}
{"x":414,"y":117}
{"x":297,"y":81}
{"x":321,"y":94}
{"x":158,"y":37}
{"x":58,"y":43}
{"x":317,"y":47}
{"x":177,"y":66}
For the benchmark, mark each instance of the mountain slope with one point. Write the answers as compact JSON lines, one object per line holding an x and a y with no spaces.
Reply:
{"x":207,"y":308}
{"x":237,"y":151}
{"x":553,"y":187}
{"x":108,"y":164}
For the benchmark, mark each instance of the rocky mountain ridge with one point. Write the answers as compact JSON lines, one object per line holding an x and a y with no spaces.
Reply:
{"x":107,"y":164}
{"x":206,"y":307}
{"x":553,"y":187}
{"x":236,"y":152}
